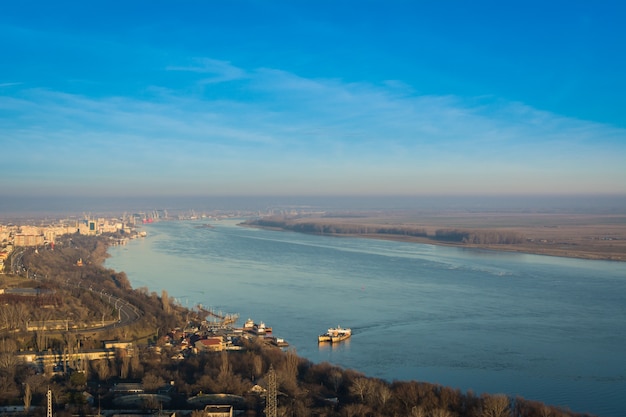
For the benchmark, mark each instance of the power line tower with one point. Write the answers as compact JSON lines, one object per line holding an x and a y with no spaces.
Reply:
{"x":49,"y":403}
{"x":270,"y":404}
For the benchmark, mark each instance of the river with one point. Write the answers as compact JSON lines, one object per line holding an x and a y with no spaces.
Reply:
{"x":544,"y":328}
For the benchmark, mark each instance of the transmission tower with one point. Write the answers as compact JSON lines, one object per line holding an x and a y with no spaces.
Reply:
{"x":270,"y":405}
{"x":49,"y":403}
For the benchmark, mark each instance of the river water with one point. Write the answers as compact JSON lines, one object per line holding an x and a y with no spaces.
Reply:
{"x":544,"y":328}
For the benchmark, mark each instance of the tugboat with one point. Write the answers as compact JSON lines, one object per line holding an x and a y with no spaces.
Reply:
{"x":335,"y":335}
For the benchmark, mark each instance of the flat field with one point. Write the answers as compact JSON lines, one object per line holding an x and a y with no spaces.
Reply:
{"x":587,"y":236}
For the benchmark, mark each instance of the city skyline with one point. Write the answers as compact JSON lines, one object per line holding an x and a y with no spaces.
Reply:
{"x":295,"y":98}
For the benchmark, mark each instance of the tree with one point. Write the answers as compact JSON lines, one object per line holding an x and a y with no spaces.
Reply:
{"x":224,"y":378}
{"x":135,"y":365}
{"x":360,"y":387}
{"x":355,"y":410}
{"x":165,"y":300}
{"x":78,"y":380}
{"x":545,"y":411}
{"x":152,"y":382}
{"x":257,"y":366}
{"x":103,"y":369}
{"x":336,"y":378}
{"x":28,"y":397}
{"x":496,"y":406}
{"x":384,"y":394}
{"x":440,"y":412}
{"x":417,"y":412}
{"x":8,"y":360}
{"x":125,"y":367}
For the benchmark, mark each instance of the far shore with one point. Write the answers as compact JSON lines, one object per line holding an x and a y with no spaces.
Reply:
{"x":583,"y":236}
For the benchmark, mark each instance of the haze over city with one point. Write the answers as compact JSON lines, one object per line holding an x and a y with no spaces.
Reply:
{"x":312,"y":98}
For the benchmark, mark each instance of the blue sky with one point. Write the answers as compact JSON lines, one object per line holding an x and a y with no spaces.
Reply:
{"x":312,"y":98}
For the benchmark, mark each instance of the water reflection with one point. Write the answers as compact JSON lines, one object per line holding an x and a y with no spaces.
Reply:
{"x":335,"y":347}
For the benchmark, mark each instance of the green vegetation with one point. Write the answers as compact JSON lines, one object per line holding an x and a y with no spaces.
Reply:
{"x":161,"y":361}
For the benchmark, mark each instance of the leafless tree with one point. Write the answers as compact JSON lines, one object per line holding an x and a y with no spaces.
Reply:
{"x":103,"y":369}
{"x":8,"y":360}
{"x":288,"y":372}
{"x":165,"y":300}
{"x":496,"y":406}
{"x":336,"y":378}
{"x":440,"y":412}
{"x":257,"y":366}
{"x":355,"y":410}
{"x":545,"y":411}
{"x":384,"y":393}
{"x":136,"y":368}
{"x":28,"y":397}
{"x":417,"y":412}
{"x":152,"y":382}
{"x":125,"y":367}
{"x":360,"y":387}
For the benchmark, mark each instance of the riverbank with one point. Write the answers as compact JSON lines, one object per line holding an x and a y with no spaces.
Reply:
{"x":583,"y":236}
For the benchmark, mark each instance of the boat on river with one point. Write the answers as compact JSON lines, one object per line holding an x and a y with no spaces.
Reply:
{"x":335,"y":335}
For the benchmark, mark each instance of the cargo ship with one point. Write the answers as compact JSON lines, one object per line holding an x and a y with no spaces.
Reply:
{"x":335,"y":335}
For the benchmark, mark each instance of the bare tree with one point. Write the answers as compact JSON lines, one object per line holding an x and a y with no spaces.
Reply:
{"x":257,"y":366}
{"x":225,"y":375}
{"x":360,"y":387}
{"x":384,"y":394}
{"x":336,"y":378}
{"x":417,"y":412}
{"x":355,"y":410}
{"x":28,"y":396}
{"x":125,"y":367}
{"x":165,"y":300}
{"x":289,"y":372}
{"x":545,"y":411}
{"x":496,"y":406}
{"x":136,"y":368}
{"x":152,"y":382}
{"x":440,"y":412}
{"x":103,"y":369}
{"x":8,"y":360}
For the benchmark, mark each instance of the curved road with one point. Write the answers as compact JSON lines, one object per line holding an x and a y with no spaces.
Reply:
{"x":127,"y":313}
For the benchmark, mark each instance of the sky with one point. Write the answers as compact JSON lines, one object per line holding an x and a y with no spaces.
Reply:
{"x":146,"y":98}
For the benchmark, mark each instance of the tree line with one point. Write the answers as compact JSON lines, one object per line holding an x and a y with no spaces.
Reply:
{"x":478,"y":237}
{"x":336,"y":228}
{"x":441,"y":235}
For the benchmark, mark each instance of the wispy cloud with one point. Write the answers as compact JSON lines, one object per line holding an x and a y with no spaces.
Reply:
{"x":320,"y":134}
{"x":220,"y":71}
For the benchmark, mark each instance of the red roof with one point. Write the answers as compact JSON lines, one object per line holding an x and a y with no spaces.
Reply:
{"x":213,"y":341}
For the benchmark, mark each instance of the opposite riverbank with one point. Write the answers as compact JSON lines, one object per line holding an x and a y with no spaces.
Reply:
{"x":583,"y":236}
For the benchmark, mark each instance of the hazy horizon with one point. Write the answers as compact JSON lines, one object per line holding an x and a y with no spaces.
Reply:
{"x":283,"y":98}
{"x":38,"y":206}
